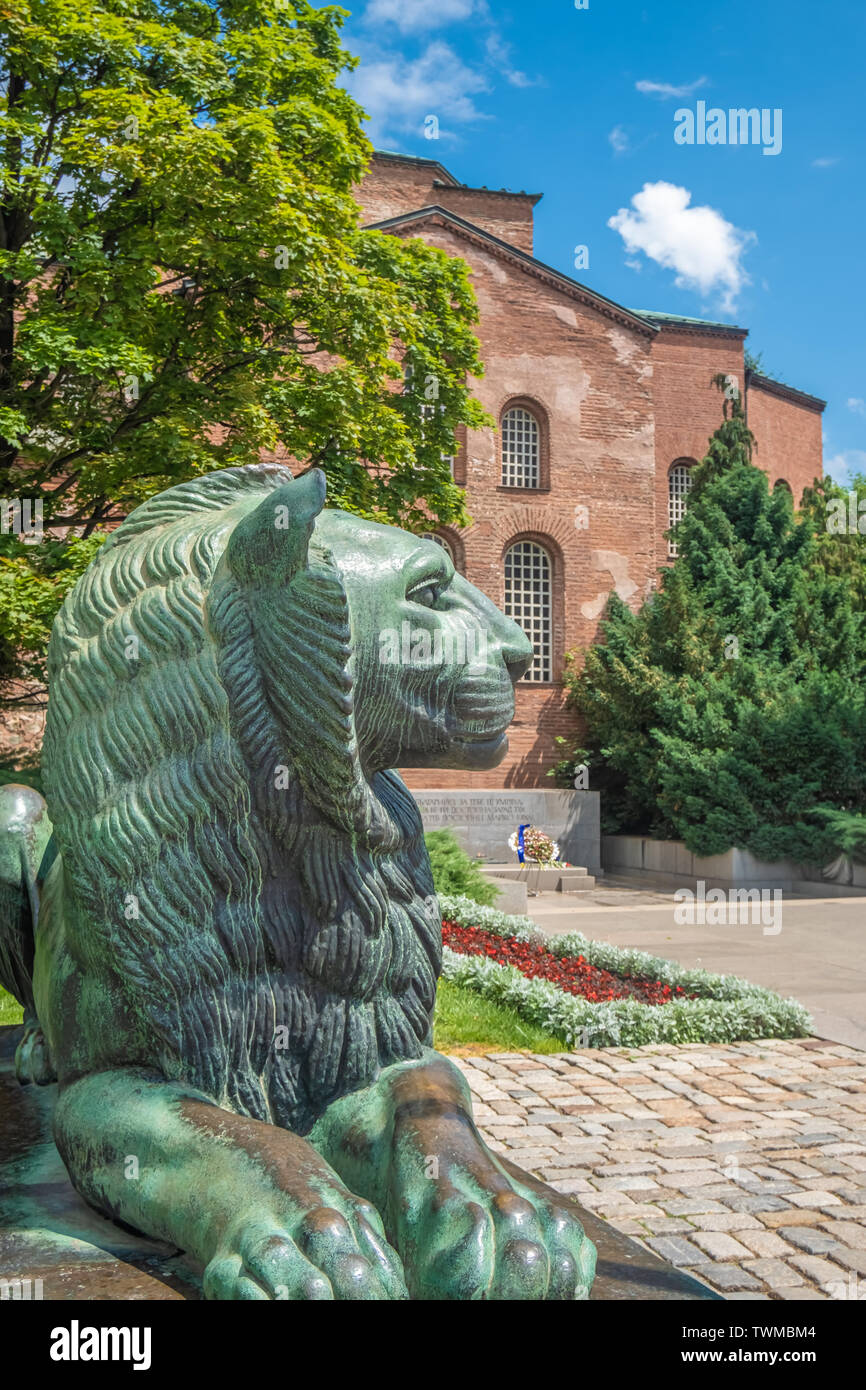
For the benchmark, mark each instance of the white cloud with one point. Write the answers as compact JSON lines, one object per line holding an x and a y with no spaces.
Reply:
{"x":843,"y":466}
{"x":414,"y":16}
{"x":399,"y":92}
{"x":697,"y":242}
{"x":825,"y":162}
{"x":499,"y":53}
{"x":857,"y":405}
{"x":619,"y":140}
{"x":665,"y":90}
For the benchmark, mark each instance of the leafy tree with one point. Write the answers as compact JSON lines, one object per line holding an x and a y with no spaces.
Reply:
{"x":730,"y":711}
{"x":838,"y":517}
{"x":33,"y":585}
{"x":754,"y":362}
{"x":184,"y":283}
{"x":454,"y":872}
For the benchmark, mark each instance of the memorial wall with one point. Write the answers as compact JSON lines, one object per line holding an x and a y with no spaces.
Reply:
{"x":483,"y":821}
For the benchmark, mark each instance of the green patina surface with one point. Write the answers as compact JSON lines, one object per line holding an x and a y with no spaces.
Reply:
{"x":227,"y":941}
{"x":68,"y":1251}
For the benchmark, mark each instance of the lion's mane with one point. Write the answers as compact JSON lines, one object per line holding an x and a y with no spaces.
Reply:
{"x":275,"y":935}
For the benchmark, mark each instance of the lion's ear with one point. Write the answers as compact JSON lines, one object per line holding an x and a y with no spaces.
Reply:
{"x":270,"y":545}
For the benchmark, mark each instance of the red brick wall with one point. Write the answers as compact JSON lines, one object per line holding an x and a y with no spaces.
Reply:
{"x":687,"y":406}
{"x":392,"y":188}
{"x":688,"y":410}
{"x":618,"y":406}
{"x":789,"y":438}
{"x":590,"y":377}
{"x":507,"y":216}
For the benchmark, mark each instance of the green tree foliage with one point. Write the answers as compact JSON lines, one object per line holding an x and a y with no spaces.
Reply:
{"x":454,"y":873}
{"x":33,"y":583}
{"x":184,"y":282}
{"x":731,"y":710}
{"x":838,"y":517}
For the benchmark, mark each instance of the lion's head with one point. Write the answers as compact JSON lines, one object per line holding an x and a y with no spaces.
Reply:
{"x":435,"y":660}
{"x":231,"y":682}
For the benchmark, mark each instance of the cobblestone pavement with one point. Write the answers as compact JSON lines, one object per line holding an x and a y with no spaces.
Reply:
{"x":743,"y":1163}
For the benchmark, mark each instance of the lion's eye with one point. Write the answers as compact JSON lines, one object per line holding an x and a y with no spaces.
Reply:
{"x":427,"y":594}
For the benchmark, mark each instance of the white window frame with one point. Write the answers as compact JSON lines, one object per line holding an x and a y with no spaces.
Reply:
{"x":442,"y":541}
{"x":528,"y":574}
{"x":679,"y":487}
{"x":520,"y":451}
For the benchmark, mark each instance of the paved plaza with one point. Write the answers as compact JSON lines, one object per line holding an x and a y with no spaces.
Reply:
{"x":744,"y":1164}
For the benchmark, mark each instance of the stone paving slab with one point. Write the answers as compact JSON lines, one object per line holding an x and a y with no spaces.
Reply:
{"x":743,"y":1163}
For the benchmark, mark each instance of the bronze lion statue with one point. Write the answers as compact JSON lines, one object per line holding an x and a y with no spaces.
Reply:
{"x":223,"y":927}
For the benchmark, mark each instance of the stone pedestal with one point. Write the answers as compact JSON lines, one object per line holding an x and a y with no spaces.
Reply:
{"x":59,"y":1249}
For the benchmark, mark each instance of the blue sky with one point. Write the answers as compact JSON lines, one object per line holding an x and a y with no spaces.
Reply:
{"x":578,"y":104}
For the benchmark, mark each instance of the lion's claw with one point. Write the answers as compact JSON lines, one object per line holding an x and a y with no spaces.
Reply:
{"x":328,"y":1253}
{"x":510,"y":1244}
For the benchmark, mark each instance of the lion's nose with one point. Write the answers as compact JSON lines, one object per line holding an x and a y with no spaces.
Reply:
{"x":517,"y":655}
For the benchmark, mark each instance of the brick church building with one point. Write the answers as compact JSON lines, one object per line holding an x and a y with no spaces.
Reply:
{"x":600,"y":411}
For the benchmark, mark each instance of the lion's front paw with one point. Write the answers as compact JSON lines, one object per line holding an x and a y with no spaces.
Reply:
{"x":507,"y":1242}
{"x":327,"y":1253}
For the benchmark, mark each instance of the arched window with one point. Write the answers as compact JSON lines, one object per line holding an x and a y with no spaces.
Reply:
{"x":521,"y":448}
{"x":440,"y":540}
{"x":528,"y":599}
{"x":783,"y":483}
{"x":679,"y":487}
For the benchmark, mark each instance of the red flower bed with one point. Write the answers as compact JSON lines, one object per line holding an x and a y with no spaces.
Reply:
{"x":573,"y":973}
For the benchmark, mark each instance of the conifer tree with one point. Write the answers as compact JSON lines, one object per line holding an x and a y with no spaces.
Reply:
{"x":730,"y":711}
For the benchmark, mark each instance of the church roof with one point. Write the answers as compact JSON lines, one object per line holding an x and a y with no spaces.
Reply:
{"x":445,"y":176}
{"x":417,"y":159}
{"x":780,"y":388}
{"x":505,"y":250}
{"x":647,"y":320}
{"x":676,"y":320}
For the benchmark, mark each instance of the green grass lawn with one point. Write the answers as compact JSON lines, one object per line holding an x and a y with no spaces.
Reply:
{"x":10,"y":1009}
{"x":466,"y":1022}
